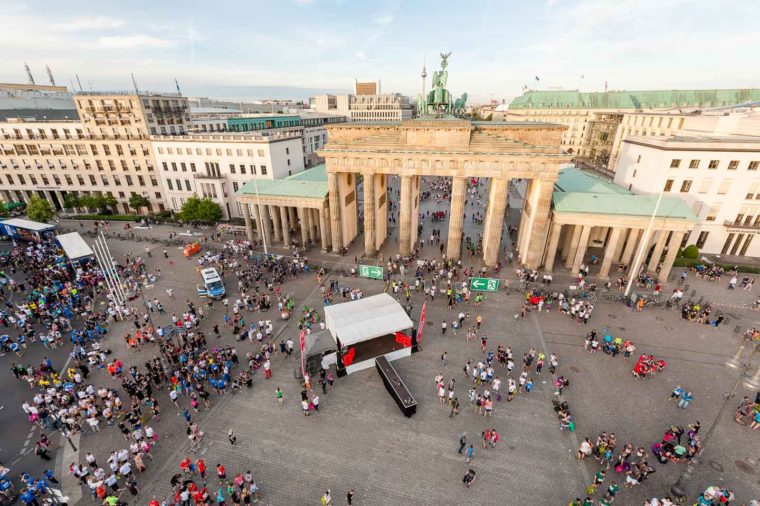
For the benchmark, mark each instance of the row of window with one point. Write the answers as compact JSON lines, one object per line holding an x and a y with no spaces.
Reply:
{"x":87,"y":164}
{"x":675,"y":163}
{"x":171,"y":185}
{"x":41,"y":133}
{"x":183,"y":166}
{"x":128,"y":180}
{"x":209,"y":151}
{"x":76,"y":149}
{"x":704,"y":186}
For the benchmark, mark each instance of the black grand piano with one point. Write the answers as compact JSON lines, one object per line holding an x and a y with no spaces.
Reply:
{"x":396,"y":387}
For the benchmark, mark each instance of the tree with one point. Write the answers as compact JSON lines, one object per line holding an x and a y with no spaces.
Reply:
{"x":691,"y":251}
{"x":39,"y":209}
{"x":197,"y":209}
{"x":71,"y":201}
{"x":3,"y":210}
{"x":136,"y":201}
{"x":107,"y":203}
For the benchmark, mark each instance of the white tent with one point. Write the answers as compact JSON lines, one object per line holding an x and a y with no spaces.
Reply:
{"x":364,"y":319}
{"x":74,"y":246}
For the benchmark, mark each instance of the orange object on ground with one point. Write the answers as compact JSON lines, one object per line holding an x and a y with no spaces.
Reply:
{"x":192,"y":249}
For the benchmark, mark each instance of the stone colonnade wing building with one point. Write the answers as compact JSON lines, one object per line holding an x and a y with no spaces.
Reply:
{"x":567,"y":214}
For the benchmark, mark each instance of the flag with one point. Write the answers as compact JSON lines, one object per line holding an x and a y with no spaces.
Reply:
{"x":537,"y":79}
{"x":605,"y":85}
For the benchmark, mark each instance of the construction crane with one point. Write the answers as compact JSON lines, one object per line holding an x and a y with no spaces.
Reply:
{"x":29,"y":74}
{"x":50,"y":75}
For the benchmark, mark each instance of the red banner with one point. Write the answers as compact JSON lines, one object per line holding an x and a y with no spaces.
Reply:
{"x":421,"y":326}
{"x":302,"y":337}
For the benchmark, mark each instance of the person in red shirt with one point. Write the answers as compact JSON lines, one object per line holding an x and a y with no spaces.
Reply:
{"x":185,"y":464}
{"x":153,"y":502}
{"x":201,"y":465}
{"x":221,"y":472}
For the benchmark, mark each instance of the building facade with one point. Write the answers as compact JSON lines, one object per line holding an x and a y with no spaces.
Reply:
{"x":218,"y":165}
{"x":717,"y":176}
{"x":593,"y":119}
{"x":387,"y":108}
{"x":107,"y":152}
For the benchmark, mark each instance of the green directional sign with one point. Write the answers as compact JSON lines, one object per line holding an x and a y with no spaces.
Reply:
{"x":371,"y":271}
{"x":484,"y":284}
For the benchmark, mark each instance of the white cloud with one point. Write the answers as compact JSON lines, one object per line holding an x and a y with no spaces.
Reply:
{"x":384,"y":19}
{"x":360,"y":55}
{"x":304,"y":2}
{"x":134,"y":41}
{"x":88,"y":23}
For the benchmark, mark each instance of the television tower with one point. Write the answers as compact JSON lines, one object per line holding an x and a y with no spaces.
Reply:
{"x":423,"y":75}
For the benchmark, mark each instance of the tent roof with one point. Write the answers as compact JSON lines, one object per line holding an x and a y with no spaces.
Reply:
{"x":364,"y":319}
{"x":319,"y":342}
{"x":74,"y":246}
{"x":28,"y":224}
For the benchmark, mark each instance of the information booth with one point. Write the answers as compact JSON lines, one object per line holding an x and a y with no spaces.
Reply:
{"x":76,"y":249}
{"x":27,"y":230}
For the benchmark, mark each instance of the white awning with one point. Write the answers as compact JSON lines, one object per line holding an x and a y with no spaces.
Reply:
{"x":361,"y":320}
{"x":74,"y":246}
{"x":28,"y":224}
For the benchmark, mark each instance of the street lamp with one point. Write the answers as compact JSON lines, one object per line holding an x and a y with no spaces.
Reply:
{"x":679,"y":487}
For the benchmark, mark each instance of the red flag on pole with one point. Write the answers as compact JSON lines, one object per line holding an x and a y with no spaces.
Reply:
{"x":302,"y":337}
{"x":421,"y":326}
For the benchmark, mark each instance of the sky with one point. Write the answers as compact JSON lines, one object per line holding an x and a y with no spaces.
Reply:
{"x":221,"y":48}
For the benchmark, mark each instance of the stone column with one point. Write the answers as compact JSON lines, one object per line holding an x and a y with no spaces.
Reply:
{"x":670,"y":256}
{"x":285,"y":226}
{"x":567,"y":244}
{"x":266,"y":226}
{"x":405,"y":216}
{"x":323,"y":229}
{"x":370,"y":247}
{"x":292,"y":216}
{"x":307,"y":224}
{"x":494,"y":222}
{"x":315,"y":229}
{"x":581,"y":251}
{"x":456,"y":218}
{"x":304,"y":229}
{"x":551,"y":250}
{"x":574,"y":240}
{"x":630,"y":246}
{"x":335,"y":225}
{"x":662,"y":236}
{"x":609,"y":252}
{"x":247,"y":220}
{"x":276,"y":222}
{"x":541,"y":207}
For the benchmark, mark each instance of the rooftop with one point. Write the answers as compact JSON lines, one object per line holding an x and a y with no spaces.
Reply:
{"x":311,"y":183}
{"x":699,"y":142}
{"x":577,"y":191}
{"x":649,"y":99}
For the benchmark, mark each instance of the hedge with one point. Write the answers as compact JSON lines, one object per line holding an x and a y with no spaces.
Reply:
{"x":691,"y":251}
{"x":688,"y":262}
{"x":109,"y":217}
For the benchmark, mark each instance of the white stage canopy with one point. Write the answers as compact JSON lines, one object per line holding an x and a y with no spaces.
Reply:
{"x":364,"y":319}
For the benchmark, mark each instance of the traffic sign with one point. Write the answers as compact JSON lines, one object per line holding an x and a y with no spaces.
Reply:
{"x":371,"y":271}
{"x":484,"y":284}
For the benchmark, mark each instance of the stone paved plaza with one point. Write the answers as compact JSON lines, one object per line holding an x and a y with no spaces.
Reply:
{"x":360,"y":440}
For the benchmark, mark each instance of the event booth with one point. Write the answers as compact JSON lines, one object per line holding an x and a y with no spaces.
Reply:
{"x":368,"y":328}
{"x":77,"y":251}
{"x":27,"y":230}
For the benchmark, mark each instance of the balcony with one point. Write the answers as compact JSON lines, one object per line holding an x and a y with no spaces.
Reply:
{"x":201,"y":175}
{"x":741,"y":225}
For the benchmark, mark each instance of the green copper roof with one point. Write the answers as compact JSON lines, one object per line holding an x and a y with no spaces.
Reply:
{"x":650,"y":99}
{"x":577,"y":191}
{"x":311,"y":183}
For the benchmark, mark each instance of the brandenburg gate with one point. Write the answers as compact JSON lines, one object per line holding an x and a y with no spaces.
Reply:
{"x":442,"y":146}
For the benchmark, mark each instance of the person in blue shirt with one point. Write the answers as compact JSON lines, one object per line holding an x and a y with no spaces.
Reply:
{"x":686,"y":398}
{"x":28,"y":497}
{"x":50,"y":476}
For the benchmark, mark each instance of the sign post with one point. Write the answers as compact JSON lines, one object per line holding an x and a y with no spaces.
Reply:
{"x":371,"y":271}
{"x":484,"y":284}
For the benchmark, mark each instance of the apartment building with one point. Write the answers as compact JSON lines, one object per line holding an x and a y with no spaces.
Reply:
{"x":107,"y":151}
{"x":718,"y":177}
{"x":593,"y":119}
{"x":218,"y":165}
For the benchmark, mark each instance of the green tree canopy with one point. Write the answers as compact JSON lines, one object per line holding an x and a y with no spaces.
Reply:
{"x":72,"y":200}
{"x":39,"y":209}
{"x":136,"y":201}
{"x":197,"y":209}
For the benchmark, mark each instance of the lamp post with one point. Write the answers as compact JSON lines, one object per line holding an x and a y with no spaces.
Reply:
{"x":678,"y":489}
